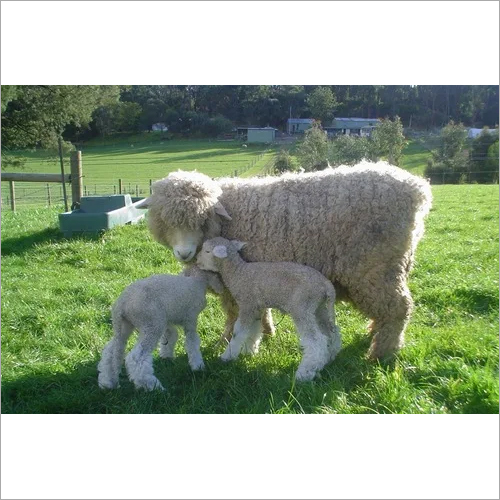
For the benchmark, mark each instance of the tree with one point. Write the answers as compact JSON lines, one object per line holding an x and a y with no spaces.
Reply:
{"x":481,"y":156}
{"x":312,"y":151}
{"x":349,"y":150}
{"x":322,"y":104}
{"x":38,"y":114}
{"x":388,"y":140}
{"x":449,"y":162}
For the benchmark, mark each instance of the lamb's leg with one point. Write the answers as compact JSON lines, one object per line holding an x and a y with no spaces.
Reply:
{"x":168,"y":341}
{"x":113,"y":353}
{"x":231,"y":309}
{"x":325,"y":317}
{"x":315,"y":346}
{"x":247,"y":327}
{"x":139,"y":361}
{"x":267,"y":322}
{"x":193,"y":345}
{"x":389,"y":305}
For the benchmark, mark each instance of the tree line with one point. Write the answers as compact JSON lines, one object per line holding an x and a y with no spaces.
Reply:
{"x":36,"y":115}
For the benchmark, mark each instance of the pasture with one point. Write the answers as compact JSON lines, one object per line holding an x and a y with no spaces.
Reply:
{"x":56,"y":295}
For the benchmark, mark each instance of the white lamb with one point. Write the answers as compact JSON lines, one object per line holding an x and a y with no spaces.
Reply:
{"x":155,"y":306}
{"x":298,"y":290}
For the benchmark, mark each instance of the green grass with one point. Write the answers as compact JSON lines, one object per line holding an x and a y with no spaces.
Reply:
{"x":56,"y":295}
{"x":137,"y":162}
{"x":415,"y":157}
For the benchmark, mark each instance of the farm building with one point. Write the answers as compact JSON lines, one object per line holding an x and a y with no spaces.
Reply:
{"x":352,"y":126}
{"x":298,"y":125}
{"x":262,"y":134}
{"x":159,"y":127}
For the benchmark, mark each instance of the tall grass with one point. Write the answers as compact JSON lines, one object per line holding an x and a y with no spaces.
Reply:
{"x":56,"y":295}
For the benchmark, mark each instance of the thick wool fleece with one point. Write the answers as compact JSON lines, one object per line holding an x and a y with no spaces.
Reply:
{"x":359,"y":226}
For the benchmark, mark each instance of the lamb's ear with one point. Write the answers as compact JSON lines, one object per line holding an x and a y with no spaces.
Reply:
{"x":145,"y":203}
{"x":220,"y":210}
{"x":238,"y":244}
{"x":220,"y":251}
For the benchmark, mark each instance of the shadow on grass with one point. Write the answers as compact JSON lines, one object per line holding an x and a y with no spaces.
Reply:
{"x":224,"y":388}
{"x":23,"y":244}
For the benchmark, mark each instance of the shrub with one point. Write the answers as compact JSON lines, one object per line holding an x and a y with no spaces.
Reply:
{"x":283,"y":162}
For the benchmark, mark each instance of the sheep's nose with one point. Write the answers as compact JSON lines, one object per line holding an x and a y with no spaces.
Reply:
{"x":184,"y":255}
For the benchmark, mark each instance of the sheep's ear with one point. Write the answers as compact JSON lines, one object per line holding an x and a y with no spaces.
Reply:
{"x":238,"y":244}
{"x":146,"y":203}
{"x":220,"y":251}
{"x":220,"y":210}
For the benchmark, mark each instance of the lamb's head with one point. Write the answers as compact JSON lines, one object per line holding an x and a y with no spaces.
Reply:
{"x":214,"y":251}
{"x":184,"y":210}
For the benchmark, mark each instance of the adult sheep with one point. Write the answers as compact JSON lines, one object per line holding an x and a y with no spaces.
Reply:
{"x":359,"y":226}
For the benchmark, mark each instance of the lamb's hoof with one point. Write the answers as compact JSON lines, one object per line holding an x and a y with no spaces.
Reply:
{"x":198,"y":366}
{"x":227,"y":355}
{"x":305,"y":375}
{"x":251,"y":350}
{"x":152,"y":384}
{"x":167,"y":355}
{"x":107,"y":384}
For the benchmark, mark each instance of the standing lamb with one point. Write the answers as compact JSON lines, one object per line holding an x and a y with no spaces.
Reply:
{"x":154,"y":306}
{"x":359,"y":226}
{"x":298,"y":290}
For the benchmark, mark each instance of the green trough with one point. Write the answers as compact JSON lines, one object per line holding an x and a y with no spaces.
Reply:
{"x":98,"y":213}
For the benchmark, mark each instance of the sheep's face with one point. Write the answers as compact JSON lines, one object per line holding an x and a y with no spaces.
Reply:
{"x":184,"y":242}
{"x":214,"y":251}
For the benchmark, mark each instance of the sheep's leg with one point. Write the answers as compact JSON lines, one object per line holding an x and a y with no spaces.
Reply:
{"x":193,"y":345}
{"x":315,"y":347}
{"x":168,"y":341}
{"x":325,"y":317}
{"x":389,"y":305}
{"x":267,"y":322}
{"x":247,"y":327}
{"x":231,"y":309}
{"x":113,"y":353}
{"x":139,"y":361}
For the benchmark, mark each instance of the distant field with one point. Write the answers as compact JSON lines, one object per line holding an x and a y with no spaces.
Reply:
{"x":136,"y":163}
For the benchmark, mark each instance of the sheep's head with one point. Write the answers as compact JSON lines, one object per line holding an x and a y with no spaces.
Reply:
{"x":184,"y":210}
{"x":214,"y":251}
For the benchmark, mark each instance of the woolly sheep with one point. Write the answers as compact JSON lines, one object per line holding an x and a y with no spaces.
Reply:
{"x":154,"y":306}
{"x":359,"y":226}
{"x":300,"y":291}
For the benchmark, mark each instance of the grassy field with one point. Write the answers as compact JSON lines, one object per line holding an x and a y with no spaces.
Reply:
{"x":56,"y":295}
{"x":137,"y":161}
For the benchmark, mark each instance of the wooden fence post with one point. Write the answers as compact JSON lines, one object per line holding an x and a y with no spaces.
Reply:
{"x":48,"y":194}
{"x":120,"y":186}
{"x":76,"y":177}
{"x":12,"y":196}
{"x":150,"y":186}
